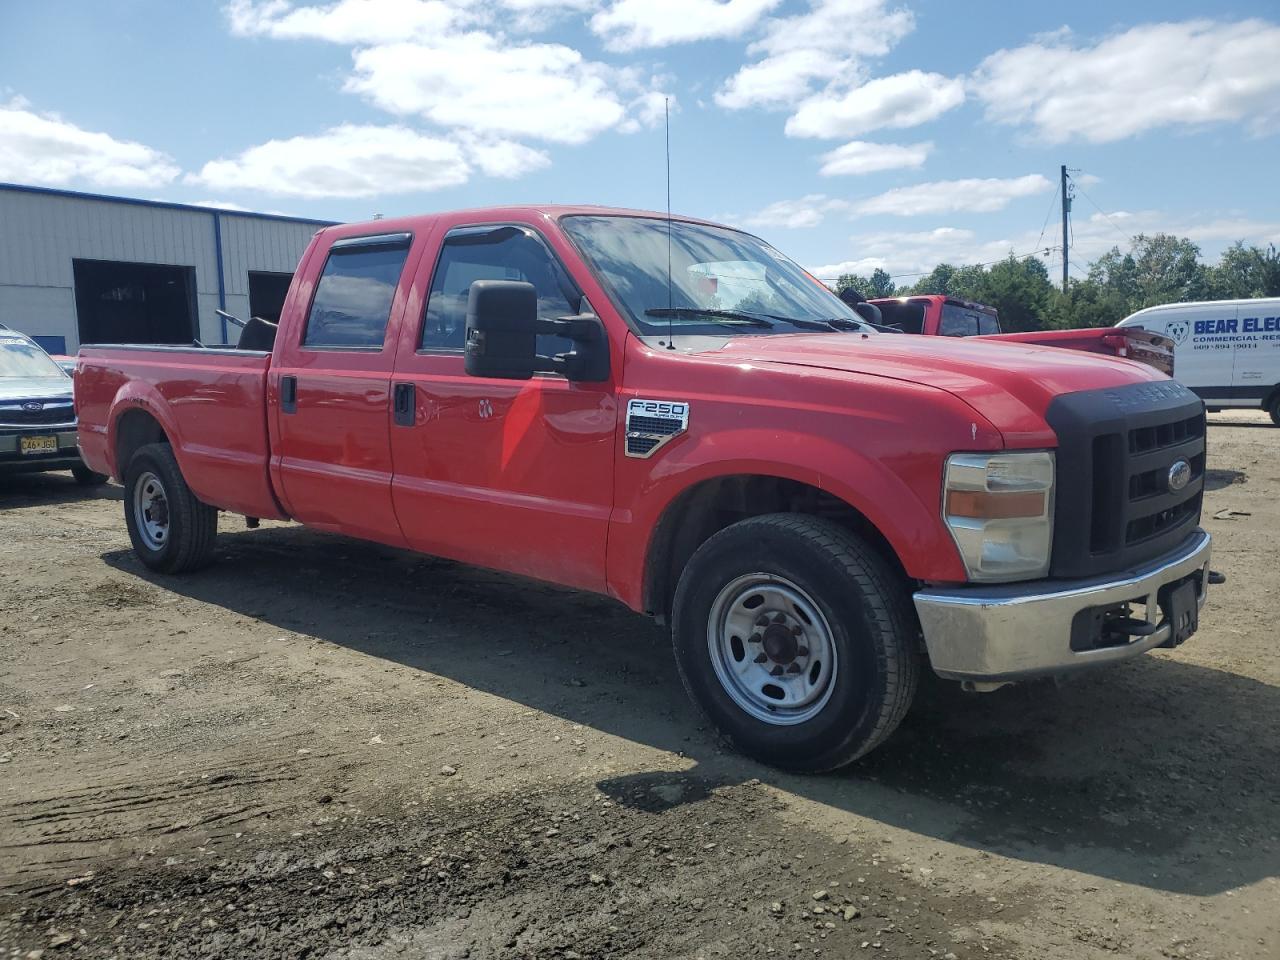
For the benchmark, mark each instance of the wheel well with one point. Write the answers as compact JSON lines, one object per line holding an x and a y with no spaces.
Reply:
{"x":136,"y":429}
{"x":708,"y":507}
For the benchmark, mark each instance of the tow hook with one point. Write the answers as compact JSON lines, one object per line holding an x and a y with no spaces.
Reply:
{"x":1216,"y":578}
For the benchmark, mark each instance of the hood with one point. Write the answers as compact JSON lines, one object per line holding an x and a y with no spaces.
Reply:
{"x":1010,"y":384}
{"x":34,"y":388}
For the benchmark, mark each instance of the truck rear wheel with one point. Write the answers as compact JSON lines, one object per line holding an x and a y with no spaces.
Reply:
{"x":171,"y":530}
{"x":797,"y":640}
{"x":1273,"y":408}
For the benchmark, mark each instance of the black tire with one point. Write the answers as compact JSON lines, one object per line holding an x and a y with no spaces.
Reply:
{"x":1273,"y":408}
{"x":189,"y":526}
{"x":86,"y":477}
{"x":872,"y":628}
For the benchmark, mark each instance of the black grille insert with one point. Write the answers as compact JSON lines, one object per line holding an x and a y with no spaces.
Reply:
{"x":1115,"y":505}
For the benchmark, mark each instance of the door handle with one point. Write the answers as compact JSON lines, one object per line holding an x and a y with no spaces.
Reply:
{"x":402,"y":404}
{"x":289,"y":394}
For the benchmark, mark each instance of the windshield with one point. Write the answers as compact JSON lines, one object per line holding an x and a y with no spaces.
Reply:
{"x":21,"y":359}
{"x":720,"y":279}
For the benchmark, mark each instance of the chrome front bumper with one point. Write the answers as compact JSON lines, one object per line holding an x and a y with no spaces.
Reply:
{"x":992,"y":634}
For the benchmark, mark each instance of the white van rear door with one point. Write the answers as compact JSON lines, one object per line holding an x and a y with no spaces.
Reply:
{"x":1257,"y":354}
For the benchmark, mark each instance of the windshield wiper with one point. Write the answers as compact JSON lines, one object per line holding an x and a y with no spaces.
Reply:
{"x":834,"y":323}
{"x":715,"y":316}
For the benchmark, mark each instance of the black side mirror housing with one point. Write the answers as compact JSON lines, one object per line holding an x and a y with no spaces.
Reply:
{"x":502,"y":336}
{"x":502,"y":329}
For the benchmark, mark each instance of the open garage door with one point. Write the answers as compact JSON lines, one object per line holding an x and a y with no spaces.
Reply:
{"x":266,"y":294}
{"x":119,"y":302}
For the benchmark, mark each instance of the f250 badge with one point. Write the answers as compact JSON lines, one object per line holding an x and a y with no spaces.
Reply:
{"x":653,"y":423}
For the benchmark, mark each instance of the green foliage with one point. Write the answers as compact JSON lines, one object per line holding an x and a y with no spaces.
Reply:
{"x":879,"y":284}
{"x":1158,"y":268}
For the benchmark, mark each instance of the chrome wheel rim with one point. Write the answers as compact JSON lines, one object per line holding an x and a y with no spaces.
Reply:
{"x":772,"y":649}
{"x":151,"y":510}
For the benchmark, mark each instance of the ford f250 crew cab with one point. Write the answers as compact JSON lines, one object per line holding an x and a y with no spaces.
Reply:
{"x":938,"y":316}
{"x":674,"y":414}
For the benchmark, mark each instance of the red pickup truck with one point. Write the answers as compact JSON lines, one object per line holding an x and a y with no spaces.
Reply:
{"x":672,"y":413}
{"x":940,"y":316}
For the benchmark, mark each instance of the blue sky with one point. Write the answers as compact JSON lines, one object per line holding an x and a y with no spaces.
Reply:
{"x":851,"y":133}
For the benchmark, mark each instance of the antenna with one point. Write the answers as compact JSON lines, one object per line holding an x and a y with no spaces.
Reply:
{"x":666,"y":118}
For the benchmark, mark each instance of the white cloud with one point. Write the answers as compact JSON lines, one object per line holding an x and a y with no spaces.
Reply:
{"x":901,"y":252}
{"x":505,"y":158}
{"x":346,"y":21}
{"x":42,"y":148}
{"x":952,"y":196}
{"x":859,"y":156}
{"x":808,"y":211}
{"x":455,"y":63}
{"x":475,"y":81}
{"x":941,"y":196}
{"x":824,"y":45}
{"x":902,"y":100}
{"x":633,"y":24}
{"x":1154,"y":75}
{"x":347,"y":161}
{"x":220,"y":205}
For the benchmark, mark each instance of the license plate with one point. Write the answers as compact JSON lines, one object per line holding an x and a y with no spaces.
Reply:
{"x":29,"y":445}
{"x":1182,"y":610}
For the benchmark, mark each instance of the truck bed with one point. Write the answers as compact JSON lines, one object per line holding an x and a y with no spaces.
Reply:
{"x":1131,"y":343}
{"x":210,"y":402}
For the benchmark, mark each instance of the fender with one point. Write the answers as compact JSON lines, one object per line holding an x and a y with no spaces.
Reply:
{"x":902,"y":504}
{"x":141,"y":395}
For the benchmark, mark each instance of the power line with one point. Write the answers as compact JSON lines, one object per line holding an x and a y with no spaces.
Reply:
{"x":1053,"y":202}
{"x":1104,"y":213}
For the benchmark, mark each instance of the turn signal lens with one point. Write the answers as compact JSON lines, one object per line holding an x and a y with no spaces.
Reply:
{"x":985,"y":505}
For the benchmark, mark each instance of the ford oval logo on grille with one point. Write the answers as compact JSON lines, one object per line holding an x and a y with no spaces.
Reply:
{"x":1179,"y":476}
{"x":33,"y":406}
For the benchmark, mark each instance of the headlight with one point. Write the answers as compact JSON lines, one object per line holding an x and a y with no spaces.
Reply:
{"x":999,"y":508}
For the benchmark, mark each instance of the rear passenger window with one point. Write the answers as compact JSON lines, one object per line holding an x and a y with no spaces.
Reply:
{"x":353,"y":298}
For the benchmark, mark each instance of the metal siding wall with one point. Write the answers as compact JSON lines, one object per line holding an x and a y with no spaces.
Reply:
{"x":40,"y":234}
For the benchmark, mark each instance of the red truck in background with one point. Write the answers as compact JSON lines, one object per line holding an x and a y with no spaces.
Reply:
{"x":672,"y":413}
{"x":941,"y":316}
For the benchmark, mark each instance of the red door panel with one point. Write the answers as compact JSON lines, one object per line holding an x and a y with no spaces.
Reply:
{"x":515,"y":475}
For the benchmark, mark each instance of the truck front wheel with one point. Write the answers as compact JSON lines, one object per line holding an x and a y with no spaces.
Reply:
{"x":797,"y":640}
{"x":171,"y":531}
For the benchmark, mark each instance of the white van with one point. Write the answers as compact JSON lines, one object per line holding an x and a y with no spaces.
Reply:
{"x":1227,"y":351}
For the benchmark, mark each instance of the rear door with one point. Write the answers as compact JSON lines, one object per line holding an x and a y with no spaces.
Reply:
{"x":1257,"y":361}
{"x":333,"y":392}
{"x":514,"y":475}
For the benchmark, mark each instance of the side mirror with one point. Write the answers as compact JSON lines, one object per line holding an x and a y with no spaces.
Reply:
{"x":502,"y":336}
{"x":502,"y":329}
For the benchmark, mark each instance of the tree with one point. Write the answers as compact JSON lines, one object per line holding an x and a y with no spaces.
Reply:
{"x":879,"y":284}
{"x":1019,"y":289}
{"x":1168,"y":270}
{"x":1246,"y":272}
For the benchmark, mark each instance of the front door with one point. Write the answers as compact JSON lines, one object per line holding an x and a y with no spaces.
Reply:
{"x":333,"y":394}
{"x":516,"y":475}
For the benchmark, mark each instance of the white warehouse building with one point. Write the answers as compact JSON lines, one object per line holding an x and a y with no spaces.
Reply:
{"x":82,"y":268}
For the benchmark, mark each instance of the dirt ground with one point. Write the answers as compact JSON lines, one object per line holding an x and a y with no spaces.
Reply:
{"x":322,"y":748}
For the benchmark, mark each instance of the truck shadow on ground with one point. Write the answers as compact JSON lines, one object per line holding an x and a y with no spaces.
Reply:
{"x":1158,"y":773}
{"x":38,"y":489}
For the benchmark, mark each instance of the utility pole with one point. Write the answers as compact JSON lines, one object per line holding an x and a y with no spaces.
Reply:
{"x":1066,"y":211}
